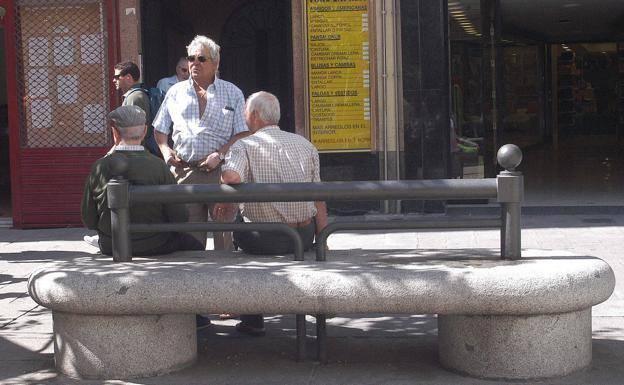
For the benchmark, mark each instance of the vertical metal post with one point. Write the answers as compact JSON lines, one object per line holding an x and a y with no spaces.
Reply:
{"x":321,"y":338}
{"x":510,"y":185}
{"x":301,"y":337}
{"x":119,"y":205}
{"x":511,"y":231}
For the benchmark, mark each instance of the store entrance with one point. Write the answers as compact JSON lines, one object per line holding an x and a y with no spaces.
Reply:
{"x":255,"y":39}
{"x":587,"y":89}
{"x":572,"y":152}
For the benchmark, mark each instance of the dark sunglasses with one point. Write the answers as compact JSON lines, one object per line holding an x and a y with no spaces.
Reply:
{"x":116,"y":77}
{"x":192,"y":58}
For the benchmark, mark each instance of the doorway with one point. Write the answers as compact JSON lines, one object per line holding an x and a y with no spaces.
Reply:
{"x":255,"y":39}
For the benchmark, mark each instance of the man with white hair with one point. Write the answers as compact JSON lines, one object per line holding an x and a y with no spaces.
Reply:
{"x":271,"y":155}
{"x":207,"y":116}
{"x":128,"y":125}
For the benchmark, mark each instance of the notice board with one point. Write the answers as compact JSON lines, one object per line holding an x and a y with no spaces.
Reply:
{"x":339,"y":86}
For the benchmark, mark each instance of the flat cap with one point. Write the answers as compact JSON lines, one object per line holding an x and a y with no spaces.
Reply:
{"x":127,"y":116}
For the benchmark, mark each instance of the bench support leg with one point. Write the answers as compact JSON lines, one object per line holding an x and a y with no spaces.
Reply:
{"x":121,"y":347}
{"x":516,"y":347}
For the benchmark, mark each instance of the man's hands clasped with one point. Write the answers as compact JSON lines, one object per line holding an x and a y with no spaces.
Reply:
{"x":211,"y":162}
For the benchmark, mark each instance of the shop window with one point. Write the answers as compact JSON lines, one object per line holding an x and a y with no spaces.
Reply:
{"x":62,"y":69}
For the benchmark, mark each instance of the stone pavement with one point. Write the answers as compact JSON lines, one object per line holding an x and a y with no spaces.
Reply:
{"x":366,"y":349}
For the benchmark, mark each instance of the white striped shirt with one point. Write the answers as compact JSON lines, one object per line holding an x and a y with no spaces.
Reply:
{"x":195,"y":137}
{"x":274,"y":156}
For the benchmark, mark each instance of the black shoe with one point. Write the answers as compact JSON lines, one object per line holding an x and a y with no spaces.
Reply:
{"x":250,"y":330}
{"x":201,"y":321}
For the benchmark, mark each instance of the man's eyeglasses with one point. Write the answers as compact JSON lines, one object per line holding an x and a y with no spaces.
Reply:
{"x":183,"y":69}
{"x":117,"y":76}
{"x":192,"y":58}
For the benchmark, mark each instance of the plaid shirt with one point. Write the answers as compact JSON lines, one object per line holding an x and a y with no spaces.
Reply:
{"x":274,"y":156}
{"x":194,"y":138}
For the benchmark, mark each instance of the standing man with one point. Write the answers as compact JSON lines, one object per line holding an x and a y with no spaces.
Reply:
{"x":126,"y":80}
{"x":207,"y":116}
{"x":271,"y":155}
{"x":182,"y":73}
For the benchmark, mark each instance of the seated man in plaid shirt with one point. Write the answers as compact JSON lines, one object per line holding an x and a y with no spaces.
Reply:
{"x":271,"y":155}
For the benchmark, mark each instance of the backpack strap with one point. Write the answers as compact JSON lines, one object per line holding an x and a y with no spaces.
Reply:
{"x":133,"y":90}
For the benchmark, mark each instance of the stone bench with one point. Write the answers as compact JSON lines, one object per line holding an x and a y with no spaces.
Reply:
{"x":529,"y":318}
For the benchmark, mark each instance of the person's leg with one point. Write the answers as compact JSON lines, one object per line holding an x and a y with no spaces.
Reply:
{"x":105,"y":246}
{"x":201,"y":212}
{"x":222,"y":240}
{"x":256,"y":242}
{"x":226,"y":214}
{"x":197,"y":212}
{"x":186,"y":241}
{"x":263,"y":242}
{"x":307,"y":235}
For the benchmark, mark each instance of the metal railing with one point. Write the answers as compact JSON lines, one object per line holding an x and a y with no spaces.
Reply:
{"x":507,"y":188}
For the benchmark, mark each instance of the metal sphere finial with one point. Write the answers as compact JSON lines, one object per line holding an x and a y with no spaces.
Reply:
{"x":509,"y":156}
{"x":118,"y":165}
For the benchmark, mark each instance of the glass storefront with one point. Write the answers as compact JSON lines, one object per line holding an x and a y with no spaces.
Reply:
{"x":449,"y":81}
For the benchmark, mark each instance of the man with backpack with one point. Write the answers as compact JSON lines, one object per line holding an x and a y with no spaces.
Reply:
{"x":126,"y":80}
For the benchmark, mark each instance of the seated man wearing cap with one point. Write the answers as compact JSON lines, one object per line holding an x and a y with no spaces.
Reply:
{"x":129,"y":128}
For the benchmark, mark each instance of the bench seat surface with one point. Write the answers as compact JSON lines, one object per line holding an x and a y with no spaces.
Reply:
{"x":351,"y":281}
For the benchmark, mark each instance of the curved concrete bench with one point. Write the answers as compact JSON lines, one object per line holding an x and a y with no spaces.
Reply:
{"x":529,"y":318}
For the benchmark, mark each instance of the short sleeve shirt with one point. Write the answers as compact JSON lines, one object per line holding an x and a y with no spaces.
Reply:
{"x":194,"y":136}
{"x":274,"y":156}
{"x":165,"y":83}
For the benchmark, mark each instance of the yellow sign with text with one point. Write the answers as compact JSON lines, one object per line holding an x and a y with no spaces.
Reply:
{"x":339,"y":75}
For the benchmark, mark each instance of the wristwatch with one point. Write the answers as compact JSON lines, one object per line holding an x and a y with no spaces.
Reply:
{"x":221,"y":156}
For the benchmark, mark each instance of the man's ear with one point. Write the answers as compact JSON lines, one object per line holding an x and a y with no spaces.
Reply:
{"x":255,"y":115}
{"x":116,"y":134}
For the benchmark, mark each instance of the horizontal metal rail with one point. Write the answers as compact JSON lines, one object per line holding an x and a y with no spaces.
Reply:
{"x":218,"y":226}
{"x":438,"y":223}
{"x":439,"y":189}
{"x":507,"y":189}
